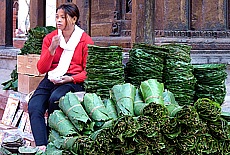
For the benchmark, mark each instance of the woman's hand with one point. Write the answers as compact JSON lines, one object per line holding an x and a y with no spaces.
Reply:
{"x":54,"y":44}
{"x":62,"y":80}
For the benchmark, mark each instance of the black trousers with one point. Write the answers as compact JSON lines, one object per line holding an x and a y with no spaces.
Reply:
{"x":46,"y":97}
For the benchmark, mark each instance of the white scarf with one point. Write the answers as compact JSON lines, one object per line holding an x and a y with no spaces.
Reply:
{"x":67,"y":53}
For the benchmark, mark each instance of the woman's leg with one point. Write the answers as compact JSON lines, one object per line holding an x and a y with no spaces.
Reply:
{"x":61,"y":91}
{"x":37,"y":107}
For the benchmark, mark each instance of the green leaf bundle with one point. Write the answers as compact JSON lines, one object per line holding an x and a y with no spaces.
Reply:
{"x":123,"y":96}
{"x":207,"y":109}
{"x":104,"y":69}
{"x":145,"y":62}
{"x":72,"y":108}
{"x":111,"y":108}
{"x":210,"y":81}
{"x":95,"y":108}
{"x":60,"y":122}
{"x":152,"y":91}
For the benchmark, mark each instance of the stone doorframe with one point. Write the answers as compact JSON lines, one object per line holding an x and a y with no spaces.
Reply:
{"x":37,"y":18}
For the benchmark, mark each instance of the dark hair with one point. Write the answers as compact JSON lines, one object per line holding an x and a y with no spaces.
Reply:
{"x":71,"y":9}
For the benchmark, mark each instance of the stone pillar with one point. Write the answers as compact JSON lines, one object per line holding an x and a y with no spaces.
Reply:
{"x":37,"y":13}
{"x":3,"y":22}
{"x":143,"y":21}
{"x":9,"y":23}
{"x":209,"y":15}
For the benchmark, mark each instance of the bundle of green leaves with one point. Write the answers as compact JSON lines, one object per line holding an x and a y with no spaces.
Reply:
{"x":178,"y":73}
{"x":210,"y":81}
{"x":155,"y":128}
{"x":104,"y":69}
{"x":145,"y":62}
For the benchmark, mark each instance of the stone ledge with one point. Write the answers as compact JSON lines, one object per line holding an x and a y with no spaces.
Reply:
{"x":197,"y":43}
{"x":8,"y":58}
{"x":9,"y":52}
{"x":193,"y":34}
{"x":192,"y":40}
{"x":213,"y":52}
{"x":203,"y":58}
{"x":200,"y":57}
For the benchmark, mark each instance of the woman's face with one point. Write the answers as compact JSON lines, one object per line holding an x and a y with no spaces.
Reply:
{"x":64,"y":22}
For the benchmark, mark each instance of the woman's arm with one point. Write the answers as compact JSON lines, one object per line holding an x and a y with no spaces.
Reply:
{"x":45,"y":62}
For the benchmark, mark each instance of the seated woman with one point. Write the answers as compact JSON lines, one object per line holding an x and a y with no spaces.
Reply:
{"x":63,"y":59}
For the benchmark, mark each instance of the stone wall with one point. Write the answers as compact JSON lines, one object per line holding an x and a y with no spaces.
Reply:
{"x":102,"y":16}
{"x":171,"y":15}
{"x":209,"y":15}
{"x":191,"y":15}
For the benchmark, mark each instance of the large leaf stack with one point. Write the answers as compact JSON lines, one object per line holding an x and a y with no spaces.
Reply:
{"x":178,"y":73}
{"x":104,"y":68}
{"x":159,"y":124}
{"x":210,"y":81}
{"x":145,"y":62}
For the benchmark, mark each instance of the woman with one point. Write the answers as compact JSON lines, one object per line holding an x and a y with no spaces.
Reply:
{"x":63,"y":59}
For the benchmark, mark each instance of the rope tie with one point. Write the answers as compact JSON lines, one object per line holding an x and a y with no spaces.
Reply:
{"x":95,"y":108}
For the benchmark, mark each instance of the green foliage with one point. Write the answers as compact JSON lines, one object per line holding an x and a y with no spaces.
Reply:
{"x":12,"y":84}
{"x":33,"y":44}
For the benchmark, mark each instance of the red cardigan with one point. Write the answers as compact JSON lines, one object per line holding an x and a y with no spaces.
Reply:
{"x":77,"y":66}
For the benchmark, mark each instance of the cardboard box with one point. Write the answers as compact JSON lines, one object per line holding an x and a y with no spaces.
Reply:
{"x":28,"y":83}
{"x":27,"y":64}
